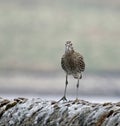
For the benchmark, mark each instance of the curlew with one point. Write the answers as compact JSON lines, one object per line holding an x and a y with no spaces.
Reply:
{"x":73,"y":64}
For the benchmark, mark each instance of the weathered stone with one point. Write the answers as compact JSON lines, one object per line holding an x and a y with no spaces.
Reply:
{"x":3,"y":102}
{"x":37,"y":112}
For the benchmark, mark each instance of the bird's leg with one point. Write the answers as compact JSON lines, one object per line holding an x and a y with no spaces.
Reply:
{"x":77,"y":86}
{"x":80,"y":76}
{"x":66,"y":83}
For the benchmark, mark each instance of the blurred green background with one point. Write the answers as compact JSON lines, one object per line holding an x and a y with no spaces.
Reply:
{"x":33,"y":34}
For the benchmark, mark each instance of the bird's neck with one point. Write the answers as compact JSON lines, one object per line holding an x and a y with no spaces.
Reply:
{"x":69,"y":52}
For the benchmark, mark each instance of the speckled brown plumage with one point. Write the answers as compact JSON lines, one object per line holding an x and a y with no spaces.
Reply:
{"x":73,"y":64}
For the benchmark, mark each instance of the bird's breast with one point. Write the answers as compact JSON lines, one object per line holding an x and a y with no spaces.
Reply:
{"x":70,"y":65}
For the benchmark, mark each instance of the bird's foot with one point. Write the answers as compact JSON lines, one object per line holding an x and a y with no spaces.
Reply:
{"x":63,"y":99}
{"x":76,"y":100}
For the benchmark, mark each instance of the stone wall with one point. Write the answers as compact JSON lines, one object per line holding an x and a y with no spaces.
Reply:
{"x":38,"y":112}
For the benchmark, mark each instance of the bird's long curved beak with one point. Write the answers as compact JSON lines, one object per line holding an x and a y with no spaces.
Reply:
{"x":66,"y":49}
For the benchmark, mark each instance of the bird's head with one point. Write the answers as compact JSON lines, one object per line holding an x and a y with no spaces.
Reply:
{"x":68,"y":47}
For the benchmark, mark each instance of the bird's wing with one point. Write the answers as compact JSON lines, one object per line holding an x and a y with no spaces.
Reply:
{"x":80,"y":62}
{"x":63,"y":62}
